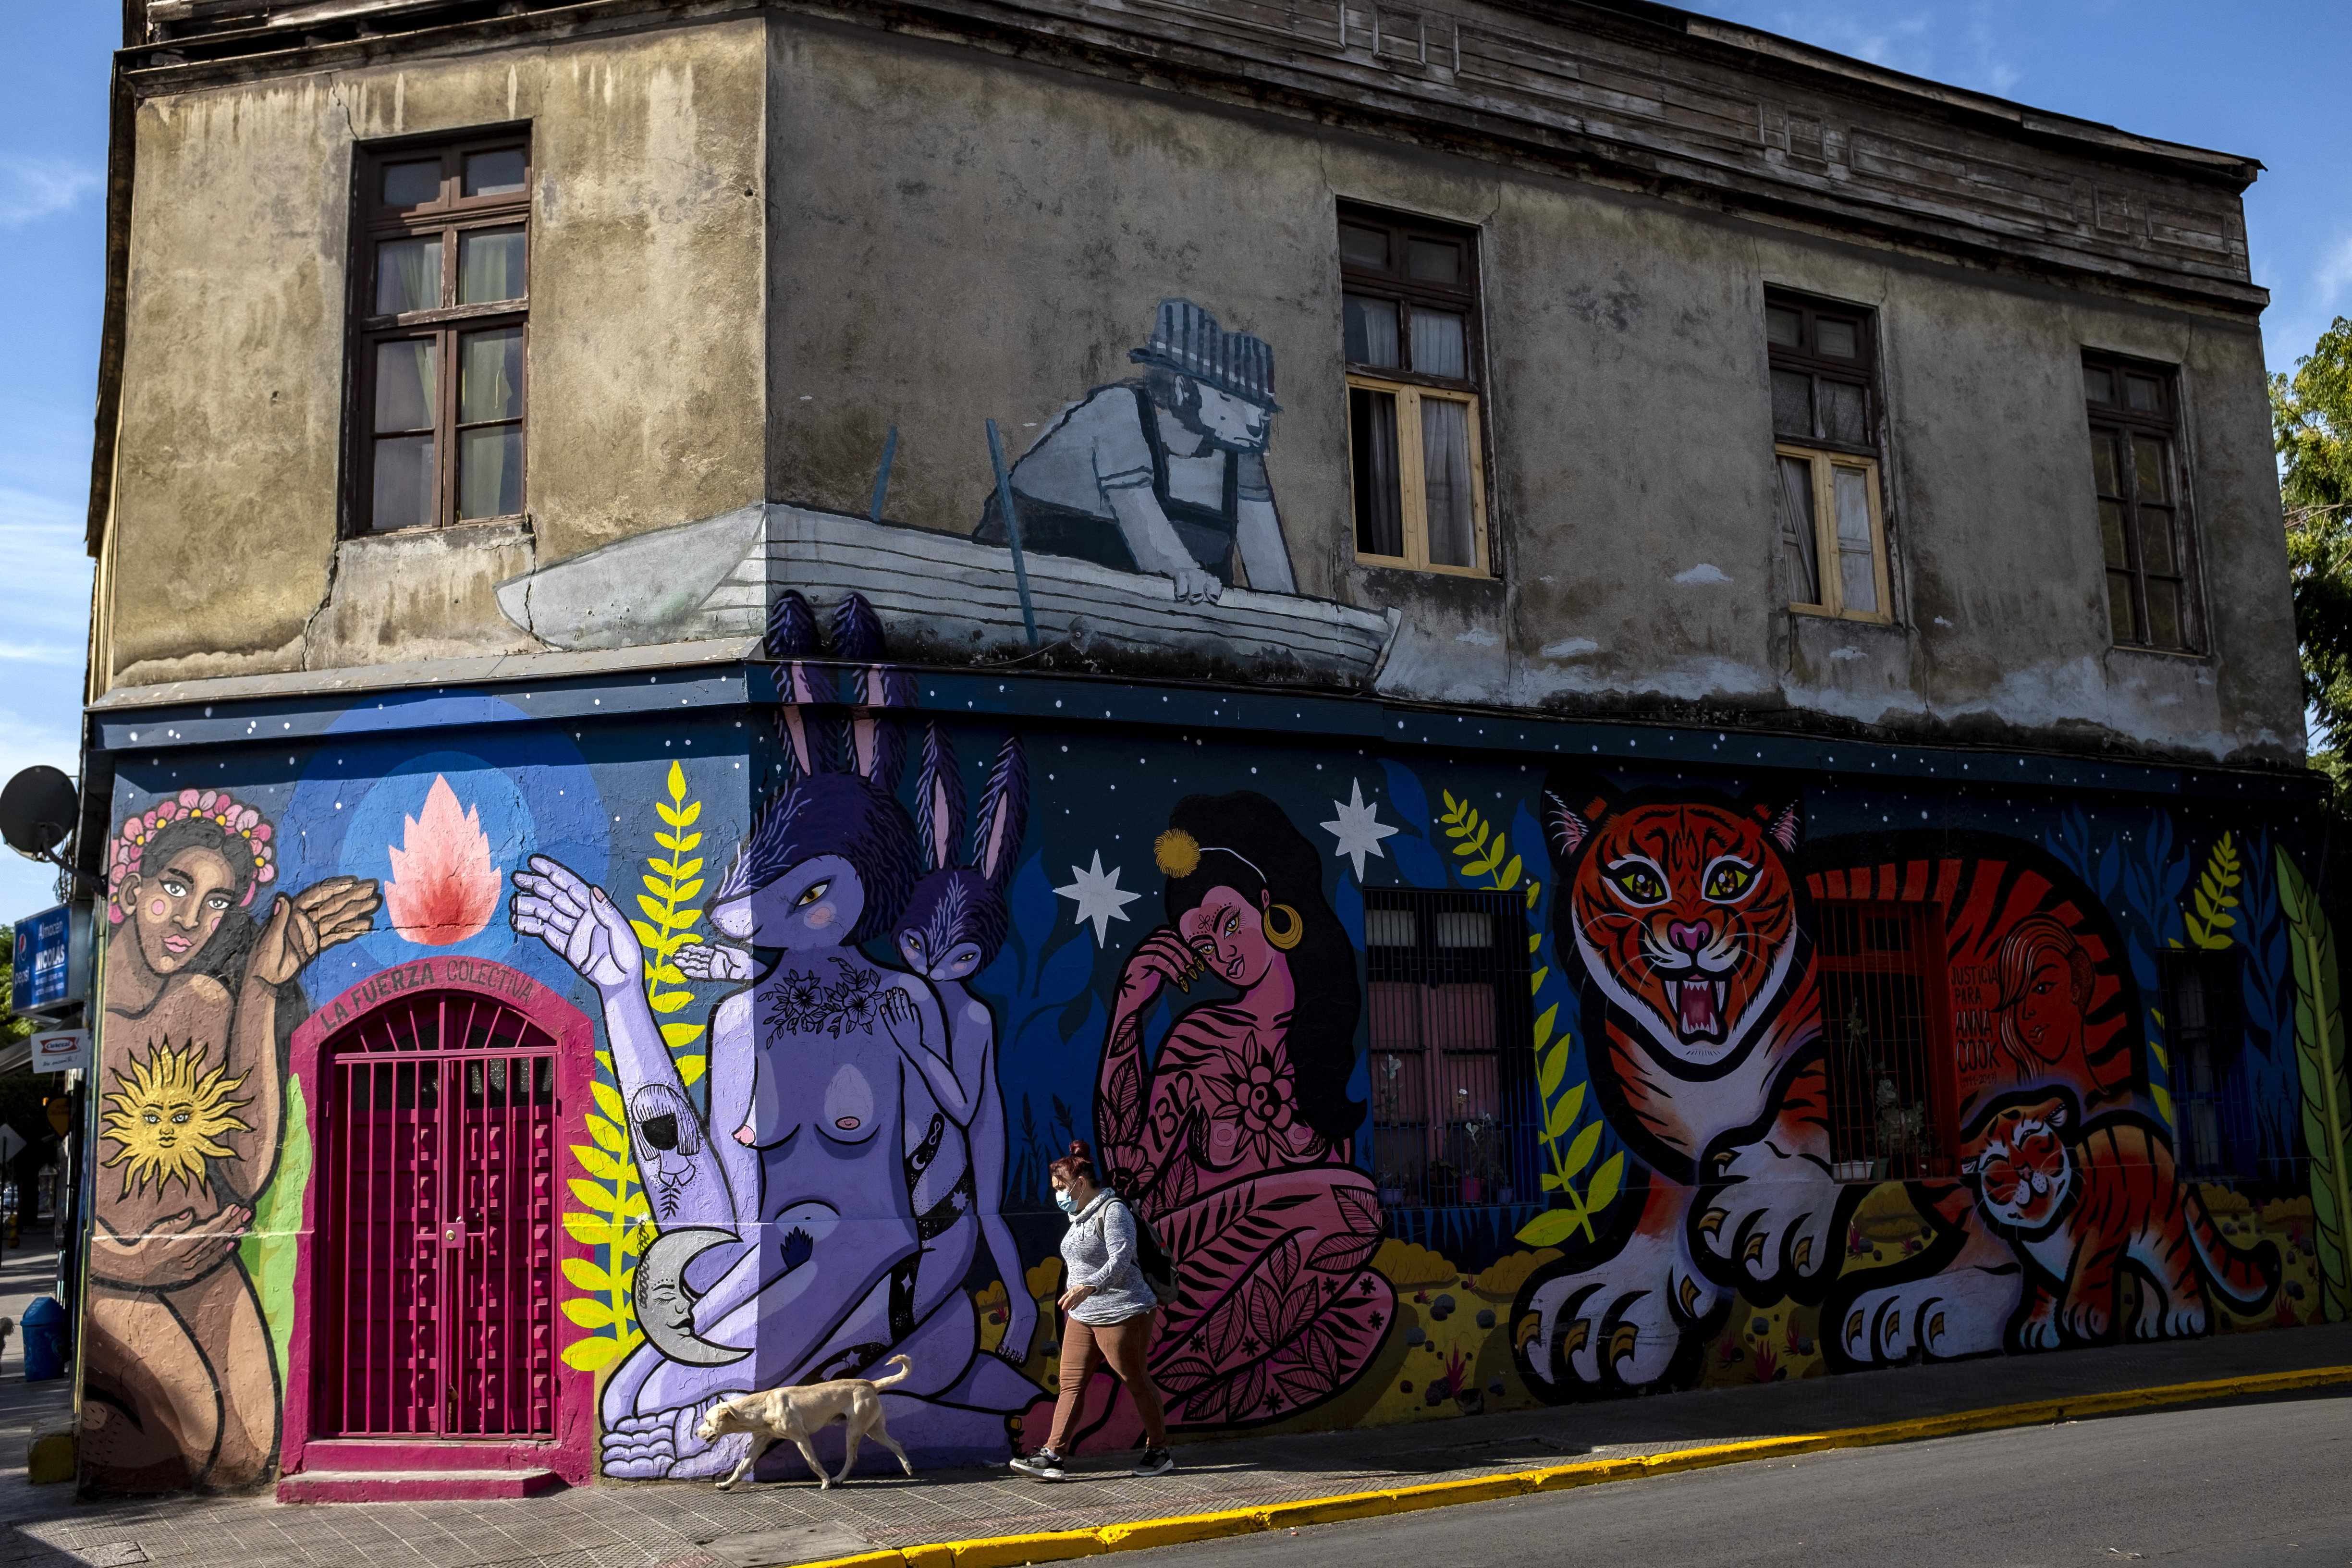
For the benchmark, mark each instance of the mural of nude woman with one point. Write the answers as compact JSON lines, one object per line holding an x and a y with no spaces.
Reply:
{"x":182,"y":1386}
{"x":822,"y":1213}
{"x":1235,"y":1139}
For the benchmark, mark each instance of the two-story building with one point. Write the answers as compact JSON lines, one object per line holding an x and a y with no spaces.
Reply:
{"x":1610,"y":701}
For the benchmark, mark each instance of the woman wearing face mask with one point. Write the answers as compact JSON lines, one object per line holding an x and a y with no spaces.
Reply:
{"x":1110,"y":1312}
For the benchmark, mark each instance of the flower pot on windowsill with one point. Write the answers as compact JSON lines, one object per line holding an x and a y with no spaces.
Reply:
{"x":1392,"y":1197}
{"x":1471,"y":1190}
{"x":1505,"y":1195}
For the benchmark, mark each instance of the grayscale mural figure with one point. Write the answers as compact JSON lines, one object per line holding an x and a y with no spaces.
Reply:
{"x":1164,"y":474}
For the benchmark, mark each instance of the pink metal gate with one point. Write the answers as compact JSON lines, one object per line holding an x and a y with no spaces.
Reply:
{"x":438,"y":1205}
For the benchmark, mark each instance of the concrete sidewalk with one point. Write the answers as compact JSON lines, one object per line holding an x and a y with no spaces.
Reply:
{"x":690,"y":1525}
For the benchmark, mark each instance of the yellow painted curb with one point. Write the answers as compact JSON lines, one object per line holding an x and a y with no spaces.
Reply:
{"x":1062,"y":1545}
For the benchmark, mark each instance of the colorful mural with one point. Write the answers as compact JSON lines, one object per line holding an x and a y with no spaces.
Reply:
{"x":849,"y":1003}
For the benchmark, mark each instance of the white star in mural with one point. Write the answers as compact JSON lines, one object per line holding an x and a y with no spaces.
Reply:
{"x":1358,"y":829}
{"x":1098,"y":897}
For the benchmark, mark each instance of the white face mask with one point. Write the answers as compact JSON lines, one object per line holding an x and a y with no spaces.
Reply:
{"x":1066,"y":1202}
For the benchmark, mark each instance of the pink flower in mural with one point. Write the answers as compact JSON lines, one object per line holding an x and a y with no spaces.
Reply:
{"x":444,"y":885}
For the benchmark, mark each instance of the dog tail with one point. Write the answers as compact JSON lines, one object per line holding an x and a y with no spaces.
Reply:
{"x":905,"y":1370}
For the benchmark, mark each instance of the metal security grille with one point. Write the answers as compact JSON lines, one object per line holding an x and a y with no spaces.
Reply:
{"x":1447,"y":977}
{"x":1885,"y":1015}
{"x":438,"y":1201}
{"x":2204,"y":1007}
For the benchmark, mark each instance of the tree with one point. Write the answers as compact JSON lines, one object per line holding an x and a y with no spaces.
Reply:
{"x":2311,"y":418}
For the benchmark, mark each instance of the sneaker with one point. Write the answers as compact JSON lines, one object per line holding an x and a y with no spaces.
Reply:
{"x":1155,"y":1462}
{"x":1044,"y":1464}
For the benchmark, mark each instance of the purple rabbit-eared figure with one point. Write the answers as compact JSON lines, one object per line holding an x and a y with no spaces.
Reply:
{"x":824,"y":1212}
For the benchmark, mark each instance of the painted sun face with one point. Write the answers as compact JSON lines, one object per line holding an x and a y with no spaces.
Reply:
{"x":166,"y":1118}
{"x":814,"y":905}
{"x":180,"y":905}
{"x":1229,"y":929}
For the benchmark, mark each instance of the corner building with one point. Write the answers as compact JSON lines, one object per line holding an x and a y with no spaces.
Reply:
{"x":1621,"y":714}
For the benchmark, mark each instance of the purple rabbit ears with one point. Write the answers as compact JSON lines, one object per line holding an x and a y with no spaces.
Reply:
{"x":939,"y":810}
{"x":814,"y":741}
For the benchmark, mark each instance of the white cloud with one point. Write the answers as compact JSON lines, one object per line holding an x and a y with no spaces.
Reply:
{"x":2334,"y":273}
{"x":33,"y":188}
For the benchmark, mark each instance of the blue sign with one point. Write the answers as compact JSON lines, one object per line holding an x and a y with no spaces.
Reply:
{"x":43,"y":966}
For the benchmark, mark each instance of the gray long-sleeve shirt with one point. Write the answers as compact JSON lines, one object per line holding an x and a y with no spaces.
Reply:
{"x":1099,"y":1250}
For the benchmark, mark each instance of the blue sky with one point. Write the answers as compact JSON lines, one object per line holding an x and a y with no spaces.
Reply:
{"x":2263,"y":81}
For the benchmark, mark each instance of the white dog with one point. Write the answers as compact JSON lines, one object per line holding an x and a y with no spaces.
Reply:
{"x":799,"y":1414}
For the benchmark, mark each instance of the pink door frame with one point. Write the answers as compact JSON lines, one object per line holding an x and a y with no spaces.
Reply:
{"x":571,"y":1454}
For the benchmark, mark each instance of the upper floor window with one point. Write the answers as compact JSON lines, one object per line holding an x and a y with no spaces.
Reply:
{"x":438,"y":323}
{"x":1825,"y":424}
{"x":2135,"y":412}
{"x":1417,"y":477}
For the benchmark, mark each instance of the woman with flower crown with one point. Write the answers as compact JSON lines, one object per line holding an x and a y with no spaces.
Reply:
{"x":1234,"y":1137}
{"x":179,"y":1387}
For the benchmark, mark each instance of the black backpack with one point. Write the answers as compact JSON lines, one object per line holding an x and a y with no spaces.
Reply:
{"x":1157,"y":1264}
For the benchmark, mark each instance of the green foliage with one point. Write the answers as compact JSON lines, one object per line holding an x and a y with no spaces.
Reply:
{"x":2311,"y":420}
{"x":270,"y":1246}
{"x":1483,"y":849}
{"x":12,"y":1028}
{"x":2326,"y":1091}
{"x":2209,"y":918}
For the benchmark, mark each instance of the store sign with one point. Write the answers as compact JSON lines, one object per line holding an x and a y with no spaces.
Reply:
{"x":61,"y":1050}
{"x":52,"y":960}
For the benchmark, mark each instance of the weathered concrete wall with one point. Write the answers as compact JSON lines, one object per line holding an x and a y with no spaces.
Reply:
{"x":647,"y":394}
{"x":960,"y":237}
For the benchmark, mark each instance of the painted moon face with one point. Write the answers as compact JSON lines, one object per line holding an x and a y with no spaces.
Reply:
{"x":664,"y":1305}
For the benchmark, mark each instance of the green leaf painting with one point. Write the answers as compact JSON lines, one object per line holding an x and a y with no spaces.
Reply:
{"x":270,"y":1245}
{"x":2327,"y":1092}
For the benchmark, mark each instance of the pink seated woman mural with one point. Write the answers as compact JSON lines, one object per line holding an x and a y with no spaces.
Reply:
{"x":1234,"y":1137}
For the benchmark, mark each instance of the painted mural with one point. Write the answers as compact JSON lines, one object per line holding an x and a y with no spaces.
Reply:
{"x":860,"y":963}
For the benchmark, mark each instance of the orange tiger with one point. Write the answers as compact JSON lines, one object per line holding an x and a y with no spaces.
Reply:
{"x":2075,"y":1209}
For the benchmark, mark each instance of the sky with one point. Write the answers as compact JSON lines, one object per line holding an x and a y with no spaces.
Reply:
{"x":2261,"y":82}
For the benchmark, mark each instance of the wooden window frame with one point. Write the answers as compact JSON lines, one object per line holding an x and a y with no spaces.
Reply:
{"x":1409,"y":386}
{"x":1826,"y":549}
{"x":1817,"y":448}
{"x":2165,"y":423}
{"x":448,"y":217}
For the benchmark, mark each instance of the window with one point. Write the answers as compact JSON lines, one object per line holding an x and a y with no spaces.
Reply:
{"x":441,"y":296}
{"x":1825,"y":420}
{"x":1446,"y":980}
{"x":2202,"y":1002}
{"x":2143,"y":510}
{"x":1410,"y":298}
{"x":1885,"y":1010}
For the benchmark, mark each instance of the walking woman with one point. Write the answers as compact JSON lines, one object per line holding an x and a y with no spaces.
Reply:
{"x":1109,"y":1312}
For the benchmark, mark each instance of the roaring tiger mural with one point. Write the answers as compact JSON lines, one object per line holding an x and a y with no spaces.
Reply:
{"x":2079,"y":1208}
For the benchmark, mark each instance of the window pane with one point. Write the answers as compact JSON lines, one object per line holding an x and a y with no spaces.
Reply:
{"x":1845,"y":415}
{"x":1372,"y":451}
{"x":2155,"y":543}
{"x":1388,"y":928}
{"x":489,"y":381}
{"x":2140,"y":391}
{"x":489,"y":266}
{"x":1440,"y":344}
{"x":2106,"y":462}
{"x":407,"y":276}
{"x":1784,"y":326}
{"x":1361,"y":246}
{"x":2163,"y":613}
{"x":1857,"y":561}
{"x":1792,"y":504}
{"x":1432,"y":261}
{"x":403,"y":482}
{"x":2148,"y":456}
{"x":2098,"y":385}
{"x":1792,"y":403}
{"x":1372,"y":331}
{"x":2111,"y":533}
{"x":2121,"y":616}
{"x":1445,"y":477}
{"x":497,"y":174}
{"x":489,"y":471}
{"x":411,"y":184}
{"x":1466,"y":927}
{"x":1838,"y":340}
{"x":404,"y":383}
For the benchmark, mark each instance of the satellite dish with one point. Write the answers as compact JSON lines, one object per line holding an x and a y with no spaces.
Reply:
{"x":38,"y":810}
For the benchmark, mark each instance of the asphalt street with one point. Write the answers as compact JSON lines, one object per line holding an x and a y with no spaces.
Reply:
{"x":2258,"y":1485}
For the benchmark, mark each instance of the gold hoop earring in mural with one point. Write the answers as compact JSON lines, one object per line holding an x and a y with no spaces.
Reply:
{"x":1286,"y":937}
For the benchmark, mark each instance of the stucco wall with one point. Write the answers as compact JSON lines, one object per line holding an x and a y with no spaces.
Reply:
{"x":960,"y":238}
{"x":647,"y":243}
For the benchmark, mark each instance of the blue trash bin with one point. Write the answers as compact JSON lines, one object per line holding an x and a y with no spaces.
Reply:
{"x":44,"y":1328}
